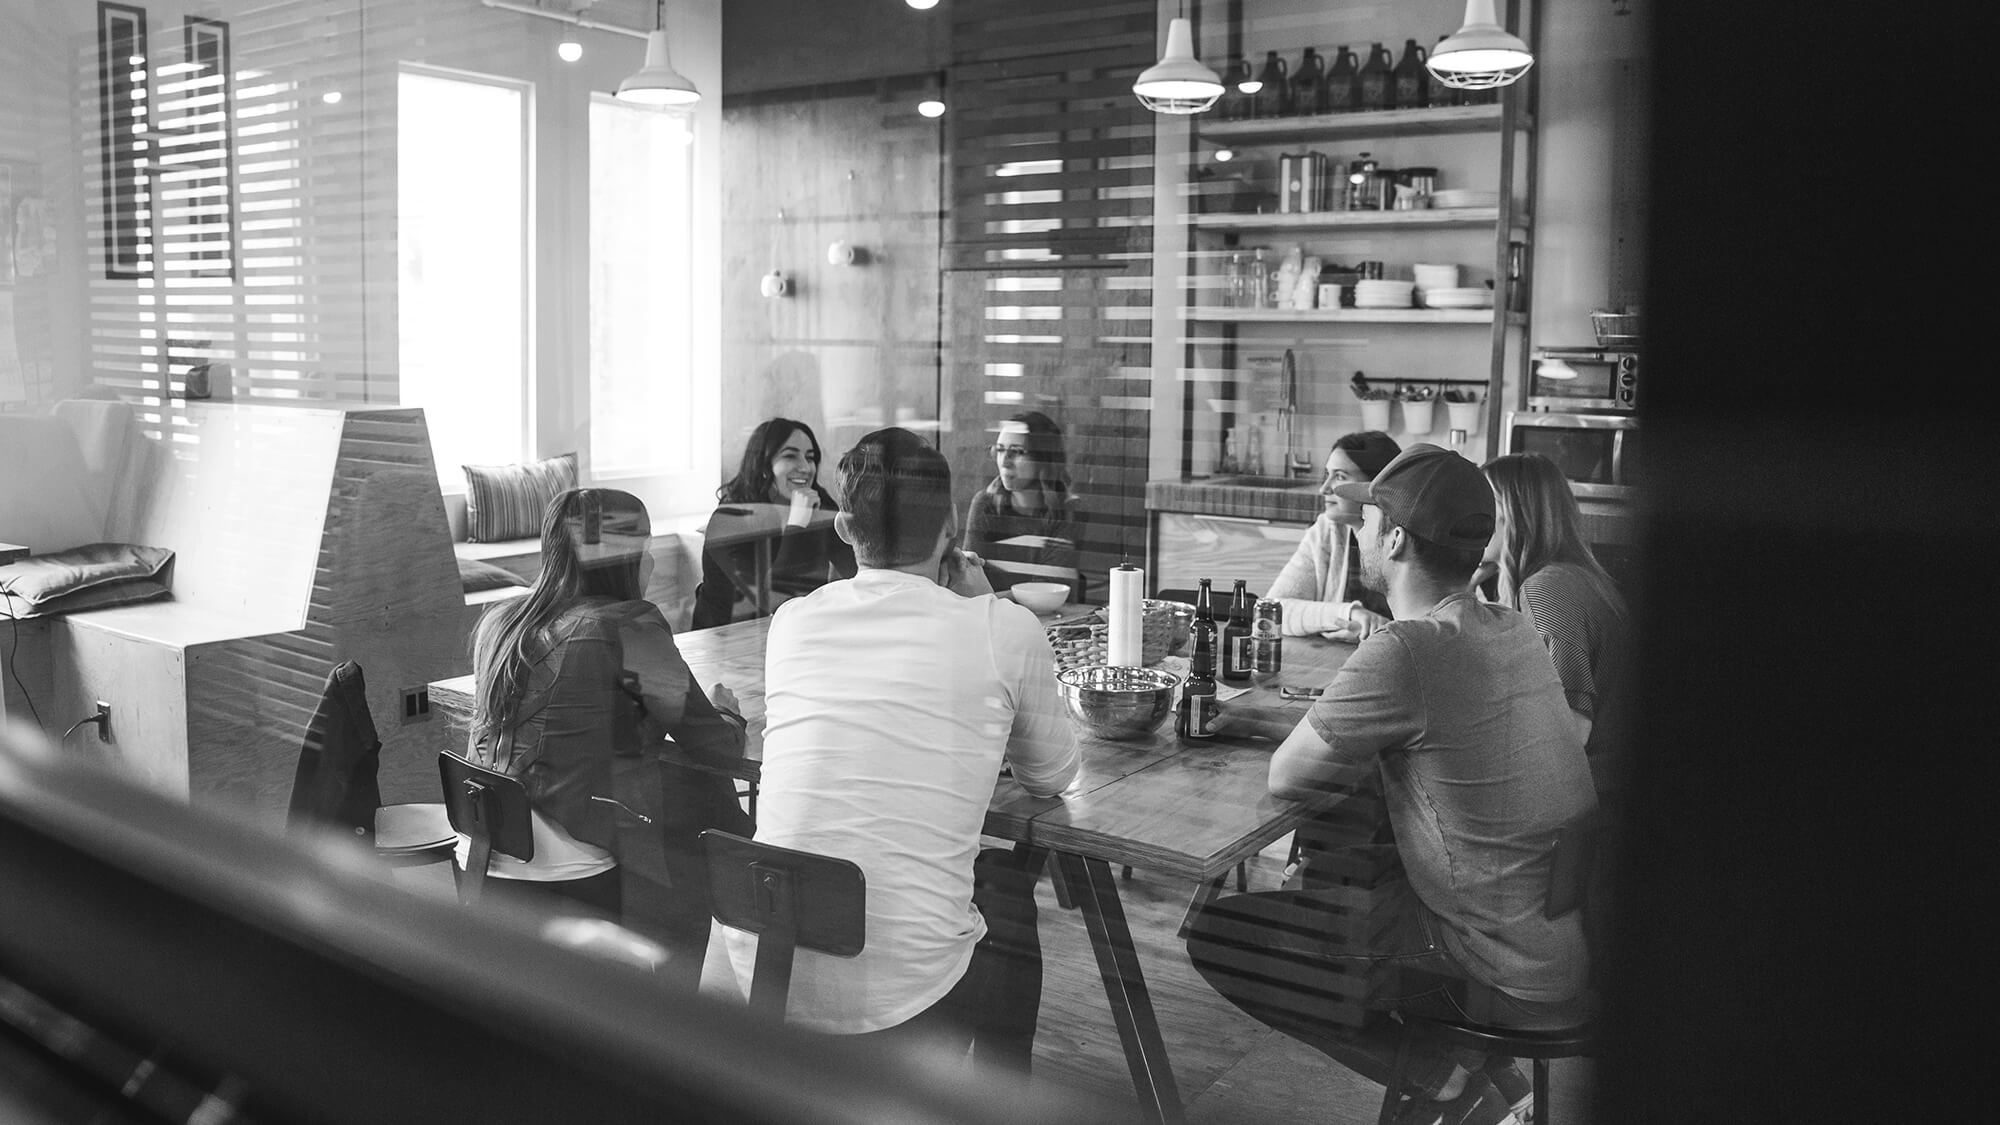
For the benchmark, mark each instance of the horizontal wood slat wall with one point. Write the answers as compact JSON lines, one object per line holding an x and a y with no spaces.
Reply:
{"x":1049,"y":248}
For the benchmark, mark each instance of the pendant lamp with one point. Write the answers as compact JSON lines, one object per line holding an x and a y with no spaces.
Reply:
{"x":657,"y":82}
{"x":1178,"y":83}
{"x":1480,"y":55}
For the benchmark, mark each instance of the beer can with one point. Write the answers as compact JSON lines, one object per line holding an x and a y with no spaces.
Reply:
{"x":1267,"y":637}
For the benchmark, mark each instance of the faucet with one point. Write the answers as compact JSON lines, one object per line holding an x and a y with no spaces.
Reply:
{"x":1296,"y":464}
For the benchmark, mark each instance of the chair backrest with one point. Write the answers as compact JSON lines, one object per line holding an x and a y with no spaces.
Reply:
{"x":1580,"y":876}
{"x":787,"y":898}
{"x":491,"y":809}
{"x":335,"y":782}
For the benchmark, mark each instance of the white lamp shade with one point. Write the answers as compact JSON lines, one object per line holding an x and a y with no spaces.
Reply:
{"x":657,"y":82}
{"x":1480,"y":55}
{"x":1178,"y":83}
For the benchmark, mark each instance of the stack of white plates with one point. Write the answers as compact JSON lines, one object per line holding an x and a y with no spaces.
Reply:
{"x":1383,"y":294}
{"x":1463,"y":197}
{"x":1477,"y":297}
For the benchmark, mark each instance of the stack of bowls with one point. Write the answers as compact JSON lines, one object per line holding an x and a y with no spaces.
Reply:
{"x":1113,"y":702}
{"x":1383,"y":294}
{"x":1431,"y":278}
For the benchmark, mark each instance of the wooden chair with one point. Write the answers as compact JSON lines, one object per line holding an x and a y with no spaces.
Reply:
{"x":335,"y":783}
{"x":491,"y":809}
{"x":788,"y":899}
{"x":1577,"y":873}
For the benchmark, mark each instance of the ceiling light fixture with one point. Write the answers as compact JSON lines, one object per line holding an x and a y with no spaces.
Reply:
{"x":932,"y":103}
{"x":1480,"y":55}
{"x":1246,"y":79}
{"x":1178,"y":84}
{"x":922,"y":5}
{"x":657,"y":82}
{"x":569,"y":50}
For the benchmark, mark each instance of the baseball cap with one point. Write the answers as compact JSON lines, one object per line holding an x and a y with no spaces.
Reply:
{"x":1434,"y":493}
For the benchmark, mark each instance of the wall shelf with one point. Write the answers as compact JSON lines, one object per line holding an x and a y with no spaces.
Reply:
{"x":1347,"y":316}
{"x":1399,"y":122}
{"x":1345,"y":220}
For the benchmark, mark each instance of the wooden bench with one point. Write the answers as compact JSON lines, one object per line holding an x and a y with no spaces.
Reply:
{"x":303,"y":537}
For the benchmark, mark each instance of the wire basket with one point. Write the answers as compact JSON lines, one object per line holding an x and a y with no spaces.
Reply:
{"x":1164,"y":629}
{"x":1615,"y":329}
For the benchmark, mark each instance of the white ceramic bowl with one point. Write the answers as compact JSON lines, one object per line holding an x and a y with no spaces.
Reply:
{"x":1042,"y":597}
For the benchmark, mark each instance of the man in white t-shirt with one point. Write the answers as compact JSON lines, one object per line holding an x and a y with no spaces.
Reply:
{"x":891,"y":700}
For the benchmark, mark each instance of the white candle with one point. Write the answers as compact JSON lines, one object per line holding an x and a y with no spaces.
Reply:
{"x":1127,"y":613}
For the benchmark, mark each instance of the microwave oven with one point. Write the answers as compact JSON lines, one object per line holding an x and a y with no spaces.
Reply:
{"x":1603,"y":455}
{"x":1584,"y":379}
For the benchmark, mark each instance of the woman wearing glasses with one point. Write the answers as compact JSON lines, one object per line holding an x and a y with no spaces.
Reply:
{"x":1320,"y":588}
{"x":1024,"y":524}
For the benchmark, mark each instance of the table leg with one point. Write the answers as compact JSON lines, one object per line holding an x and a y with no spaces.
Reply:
{"x":1096,"y":891}
{"x":763,"y":592}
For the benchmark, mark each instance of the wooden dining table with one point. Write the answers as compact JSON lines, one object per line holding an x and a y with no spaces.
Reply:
{"x":1187,"y":809}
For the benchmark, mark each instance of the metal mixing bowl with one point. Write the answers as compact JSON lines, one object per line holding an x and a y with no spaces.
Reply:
{"x":1117,"y":702}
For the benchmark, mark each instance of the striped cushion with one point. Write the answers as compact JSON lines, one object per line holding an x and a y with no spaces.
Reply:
{"x":507,"y":501}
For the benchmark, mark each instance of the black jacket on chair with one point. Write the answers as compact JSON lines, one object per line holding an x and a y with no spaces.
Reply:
{"x":335,"y":783}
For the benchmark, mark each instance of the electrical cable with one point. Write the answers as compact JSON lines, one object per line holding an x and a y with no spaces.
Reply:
{"x":13,"y":655}
{"x":85,"y":721}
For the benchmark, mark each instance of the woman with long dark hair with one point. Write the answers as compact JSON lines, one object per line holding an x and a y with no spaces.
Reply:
{"x":1320,"y":589}
{"x":577,"y":672}
{"x":1547,"y":570}
{"x":1024,"y":524}
{"x":780,"y":467}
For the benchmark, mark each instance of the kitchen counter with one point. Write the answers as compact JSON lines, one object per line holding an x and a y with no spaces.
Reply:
{"x":1248,"y":497}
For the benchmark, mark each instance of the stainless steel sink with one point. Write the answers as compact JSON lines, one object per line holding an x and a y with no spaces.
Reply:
{"x":1287,"y":483}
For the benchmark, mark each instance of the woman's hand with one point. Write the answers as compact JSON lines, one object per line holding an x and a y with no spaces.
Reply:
{"x":723,"y":698}
{"x":1361,"y":624}
{"x":804,"y":503}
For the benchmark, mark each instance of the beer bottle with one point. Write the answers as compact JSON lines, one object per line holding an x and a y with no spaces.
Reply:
{"x":1202,"y":633}
{"x":1236,"y":636}
{"x":1199,"y":708}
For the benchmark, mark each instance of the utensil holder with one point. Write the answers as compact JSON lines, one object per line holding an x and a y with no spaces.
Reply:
{"x":1417,"y":416}
{"x":1463,"y":416}
{"x":1375,"y":414}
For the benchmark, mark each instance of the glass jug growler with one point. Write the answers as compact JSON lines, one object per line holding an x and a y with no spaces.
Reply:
{"x":1412,"y":79}
{"x":1274,"y":97}
{"x":1343,"y":82}
{"x":1378,"y":79}
{"x":1309,"y":84}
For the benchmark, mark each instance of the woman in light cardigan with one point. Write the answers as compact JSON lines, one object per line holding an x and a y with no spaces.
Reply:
{"x":1320,"y":588}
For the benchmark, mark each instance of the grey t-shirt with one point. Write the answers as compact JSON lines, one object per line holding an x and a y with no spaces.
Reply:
{"x":1462,"y":712}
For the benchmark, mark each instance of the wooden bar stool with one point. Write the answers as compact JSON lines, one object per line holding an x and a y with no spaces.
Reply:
{"x":1575,"y":873}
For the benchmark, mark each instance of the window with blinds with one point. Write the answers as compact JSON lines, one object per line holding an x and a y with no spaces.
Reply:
{"x":241,"y":196}
{"x":1049,"y":248}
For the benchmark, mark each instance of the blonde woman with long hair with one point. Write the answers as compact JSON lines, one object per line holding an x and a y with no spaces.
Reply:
{"x":1547,"y":570}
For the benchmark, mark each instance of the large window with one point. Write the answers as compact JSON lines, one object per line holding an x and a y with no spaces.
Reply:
{"x":641,"y":298}
{"x":463,"y":228}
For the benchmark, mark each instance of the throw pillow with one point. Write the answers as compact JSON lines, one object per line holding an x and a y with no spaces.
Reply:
{"x":477,"y":575}
{"x":87,"y":577}
{"x":507,"y":501}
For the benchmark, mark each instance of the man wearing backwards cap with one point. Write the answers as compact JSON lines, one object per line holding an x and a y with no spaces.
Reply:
{"x":1456,"y":706}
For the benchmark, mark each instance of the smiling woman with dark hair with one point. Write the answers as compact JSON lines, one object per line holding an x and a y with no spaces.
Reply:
{"x":781,"y":463}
